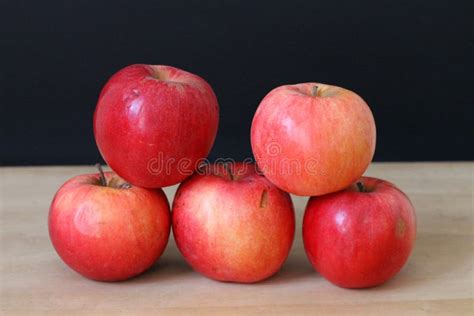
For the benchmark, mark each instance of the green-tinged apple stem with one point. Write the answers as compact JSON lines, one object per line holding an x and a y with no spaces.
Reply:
{"x":360,"y":186}
{"x":103,"y":181}
{"x":314,"y":92}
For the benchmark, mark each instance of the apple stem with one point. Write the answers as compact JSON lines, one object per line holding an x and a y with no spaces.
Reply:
{"x":360,"y":186}
{"x":263,"y":199}
{"x":258,"y":170}
{"x":229,"y":171}
{"x":102,"y":179}
{"x":314,"y":92}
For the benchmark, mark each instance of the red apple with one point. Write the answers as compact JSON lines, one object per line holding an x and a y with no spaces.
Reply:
{"x":106,"y":229}
{"x":361,"y":236}
{"x":233,"y":225}
{"x":313,"y":139}
{"x":153,"y":124}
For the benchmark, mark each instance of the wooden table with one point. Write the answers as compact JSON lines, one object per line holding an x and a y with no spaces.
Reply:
{"x":438,"y":277}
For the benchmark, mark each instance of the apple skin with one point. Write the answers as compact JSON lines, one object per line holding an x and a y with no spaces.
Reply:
{"x":108,"y":233}
{"x":312,"y":144}
{"x":238,"y":230}
{"x":152,"y":124}
{"x":360,"y":239}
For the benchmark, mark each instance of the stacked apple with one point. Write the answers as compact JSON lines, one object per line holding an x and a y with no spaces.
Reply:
{"x":155,"y":125}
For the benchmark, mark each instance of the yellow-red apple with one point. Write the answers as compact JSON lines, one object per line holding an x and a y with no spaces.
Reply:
{"x":233,"y":224}
{"x":312,"y":138}
{"x":107,"y":229}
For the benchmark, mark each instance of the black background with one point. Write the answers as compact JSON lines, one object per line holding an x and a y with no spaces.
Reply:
{"x":410,"y":60}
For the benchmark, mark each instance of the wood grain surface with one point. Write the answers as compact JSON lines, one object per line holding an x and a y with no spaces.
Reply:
{"x":438,"y":278}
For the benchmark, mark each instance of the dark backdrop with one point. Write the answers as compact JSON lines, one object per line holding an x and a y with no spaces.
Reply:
{"x":410,"y":60}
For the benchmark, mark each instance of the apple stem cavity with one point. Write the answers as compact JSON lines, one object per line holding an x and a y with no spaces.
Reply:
{"x":103,"y":181}
{"x":360,"y":187}
{"x":314,"y":92}
{"x":229,"y":171}
{"x":125,"y":185}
